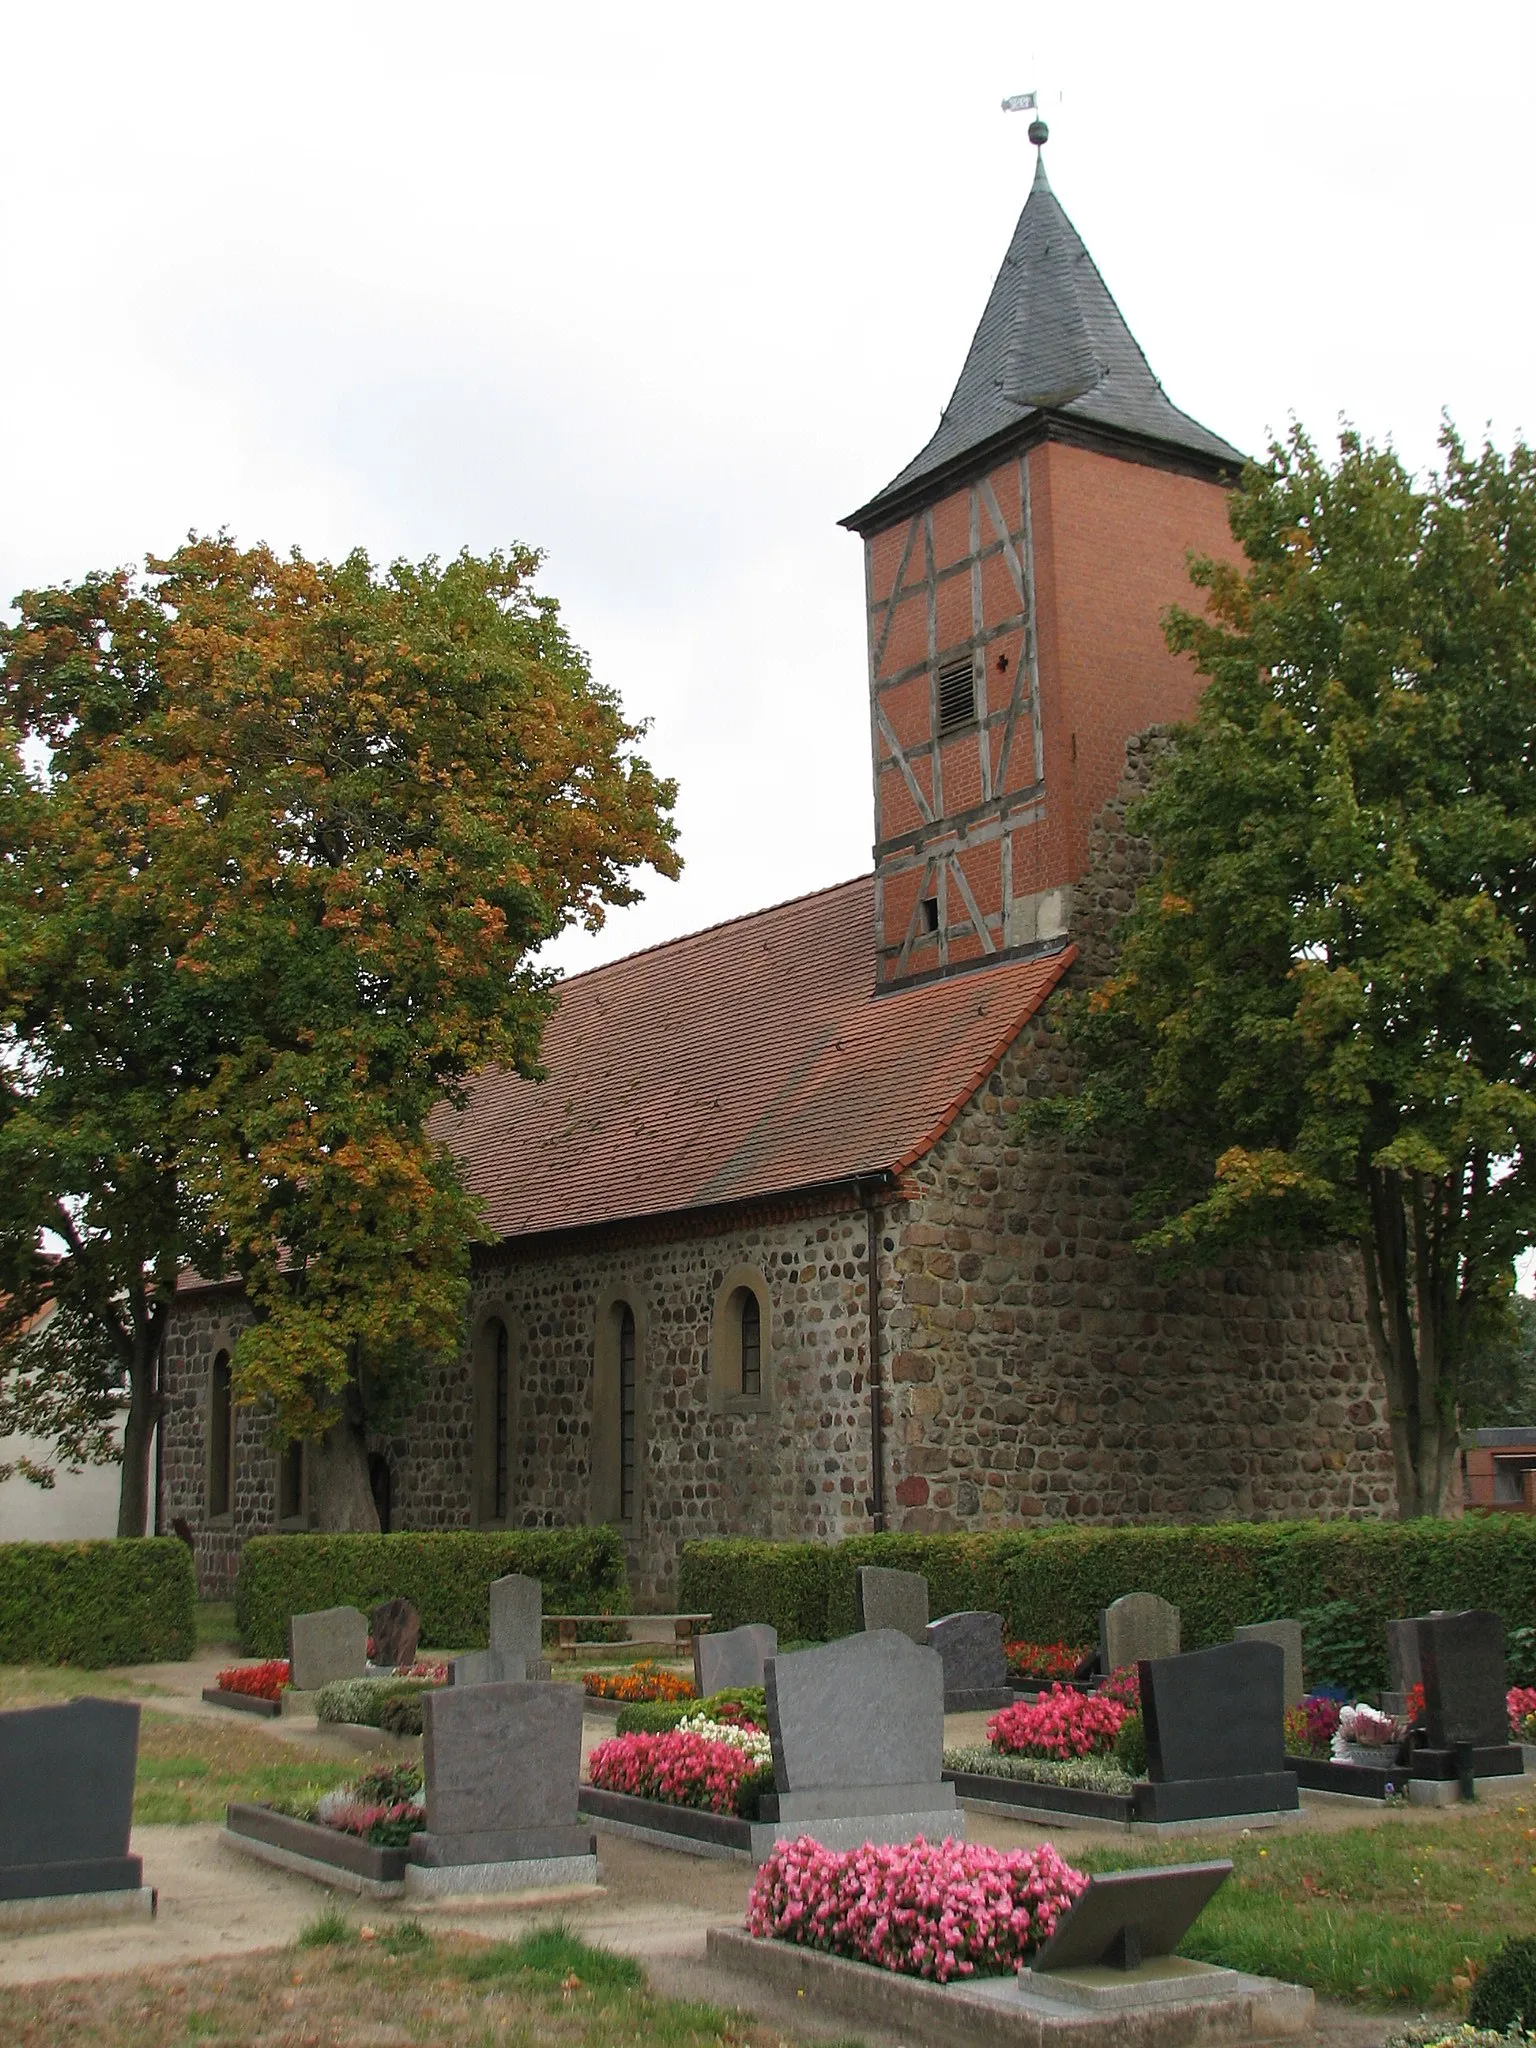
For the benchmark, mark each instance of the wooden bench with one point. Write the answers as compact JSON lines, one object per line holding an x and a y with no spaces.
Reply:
{"x":684,"y":1626}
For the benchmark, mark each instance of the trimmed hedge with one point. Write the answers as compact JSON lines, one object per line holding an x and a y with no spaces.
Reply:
{"x":1053,"y":1583}
{"x":124,"y":1600}
{"x":447,"y":1574}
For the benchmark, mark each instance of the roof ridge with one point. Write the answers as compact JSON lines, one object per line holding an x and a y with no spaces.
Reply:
{"x":705,"y":931}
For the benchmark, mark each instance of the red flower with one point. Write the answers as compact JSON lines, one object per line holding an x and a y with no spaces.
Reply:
{"x":258,"y":1681}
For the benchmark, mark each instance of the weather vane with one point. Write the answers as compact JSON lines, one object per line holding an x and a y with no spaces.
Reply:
{"x":1028,"y":103}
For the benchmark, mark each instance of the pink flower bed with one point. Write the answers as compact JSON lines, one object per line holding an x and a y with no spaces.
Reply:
{"x":1521,"y":1702}
{"x":1060,"y":1724}
{"x":681,"y":1769}
{"x":1123,"y":1684}
{"x":925,"y":1909}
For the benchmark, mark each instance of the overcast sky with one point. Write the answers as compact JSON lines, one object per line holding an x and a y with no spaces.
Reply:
{"x":666,"y":289}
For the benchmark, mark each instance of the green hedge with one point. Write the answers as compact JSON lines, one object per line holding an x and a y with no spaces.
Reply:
{"x":1053,"y":1583}
{"x":126,"y":1600}
{"x":447,"y":1574}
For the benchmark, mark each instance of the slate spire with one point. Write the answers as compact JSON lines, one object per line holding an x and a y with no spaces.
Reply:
{"x":1051,"y":342}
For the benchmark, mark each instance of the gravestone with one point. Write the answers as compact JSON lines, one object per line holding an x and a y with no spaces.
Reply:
{"x":1215,"y":1727}
{"x":1403,"y":1654}
{"x":395,"y":1627}
{"x":1461,"y":1661}
{"x":517,"y":1637}
{"x":857,"y":1729}
{"x":733,"y":1659}
{"x":325,"y":1646}
{"x":1286,"y":1636}
{"x":66,"y":1800}
{"x":970,"y":1647}
{"x":888,"y":1599}
{"x":1115,"y":1948}
{"x":1137,"y":1625}
{"x":501,"y":1765}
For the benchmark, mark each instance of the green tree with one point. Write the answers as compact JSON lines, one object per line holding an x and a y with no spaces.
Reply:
{"x":1323,"y":1020}
{"x":273,"y":898}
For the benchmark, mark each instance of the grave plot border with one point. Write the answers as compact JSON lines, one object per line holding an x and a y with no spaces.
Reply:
{"x":322,"y":1853}
{"x":1426,"y":1766}
{"x":990,"y":2012}
{"x":686,"y":1828}
{"x":1177,"y":1803}
{"x":242,"y":1702}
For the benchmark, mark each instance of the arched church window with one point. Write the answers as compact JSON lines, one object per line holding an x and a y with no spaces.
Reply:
{"x":751,"y":1319}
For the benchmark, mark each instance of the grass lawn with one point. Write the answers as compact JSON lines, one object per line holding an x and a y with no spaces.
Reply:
{"x":190,"y":1770}
{"x":1392,"y":1912}
{"x":45,"y":1685}
{"x":336,"y":1991}
{"x":216,"y":1625}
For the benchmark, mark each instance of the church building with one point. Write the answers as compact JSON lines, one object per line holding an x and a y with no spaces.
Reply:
{"x":765,"y":1255}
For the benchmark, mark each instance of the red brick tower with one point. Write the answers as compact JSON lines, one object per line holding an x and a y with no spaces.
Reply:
{"x":1016,"y":572}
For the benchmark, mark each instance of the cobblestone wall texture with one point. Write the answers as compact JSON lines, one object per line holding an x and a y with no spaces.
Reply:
{"x":1035,"y":1367}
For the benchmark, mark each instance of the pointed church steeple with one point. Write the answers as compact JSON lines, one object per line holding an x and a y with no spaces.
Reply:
{"x":1051,"y":340}
{"x":1016,"y":575}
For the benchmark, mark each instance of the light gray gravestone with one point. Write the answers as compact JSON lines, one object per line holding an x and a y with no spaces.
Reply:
{"x":734,"y":1658}
{"x":517,"y":1630}
{"x":501,"y":1765}
{"x":970,"y":1647}
{"x":1286,"y":1636}
{"x":858,"y":1742}
{"x":1137,"y":1625}
{"x":325,"y":1646}
{"x":888,"y":1599}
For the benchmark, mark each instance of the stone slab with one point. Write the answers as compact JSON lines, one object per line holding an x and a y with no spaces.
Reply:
{"x":839,"y":1831}
{"x":242,"y":1702}
{"x":517,"y":1620}
{"x":1286,"y":1636}
{"x":280,"y":1857}
{"x":395,"y":1627}
{"x":66,"y":1799}
{"x":1177,"y":1799}
{"x":329,"y":1644}
{"x":868,"y":1710}
{"x":1216,"y":1713}
{"x":970,"y":1647}
{"x":1461,"y":1662}
{"x":479,"y":1880}
{"x":1126,"y":1916}
{"x":329,"y":1848}
{"x":498,"y":1845}
{"x":1137,"y":1626}
{"x":734,"y":1658}
{"x":501,"y":1758}
{"x":892,"y":1600}
{"x":848,"y":1801}
{"x":78,"y":1909}
{"x":1164,"y":1980}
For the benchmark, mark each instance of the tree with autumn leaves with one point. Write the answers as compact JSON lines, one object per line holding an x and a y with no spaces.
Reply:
{"x":1322,"y":1028}
{"x":278,"y":840}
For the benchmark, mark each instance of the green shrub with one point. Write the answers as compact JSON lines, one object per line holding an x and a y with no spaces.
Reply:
{"x":652,"y":1717}
{"x":126,"y":1600}
{"x":1053,"y":1582}
{"x":362,"y":1701}
{"x":447,"y":1574}
{"x":1504,"y":1995}
{"x":1338,"y":1647}
{"x":402,"y":1715}
{"x":735,"y":1582}
{"x":1130,"y":1746}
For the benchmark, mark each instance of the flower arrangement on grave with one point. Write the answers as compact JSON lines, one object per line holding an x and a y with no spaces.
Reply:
{"x":382,"y":1807}
{"x":683,"y":1767}
{"x":1043,"y":1661}
{"x":1365,"y":1733}
{"x":645,"y":1680}
{"x":1060,"y":1724}
{"x":741,"y":1734}
{"x":1520,"y":1701}
{"x":431,"y":1670}
{"x":255,"y":1681}
{"x":1123,"y":1684}
{"x":924,"y":1909}
{"x":363,"y":1701}
{"x":1311,"y":1726}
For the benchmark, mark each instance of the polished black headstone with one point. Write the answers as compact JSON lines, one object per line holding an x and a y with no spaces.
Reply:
{"x":1126,"y":1916}
{"x":1217,"y":1713}
{"x":1461,"y":1659}
{"x":66,"y":1799}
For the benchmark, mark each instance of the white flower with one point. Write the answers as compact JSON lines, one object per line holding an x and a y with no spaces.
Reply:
{"x":752,"y":1742}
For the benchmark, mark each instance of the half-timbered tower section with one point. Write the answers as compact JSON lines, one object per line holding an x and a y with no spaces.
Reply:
{"x":1015,"y":573}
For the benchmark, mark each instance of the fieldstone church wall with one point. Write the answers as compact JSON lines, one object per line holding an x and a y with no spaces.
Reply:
{"x":1035,"y":1368}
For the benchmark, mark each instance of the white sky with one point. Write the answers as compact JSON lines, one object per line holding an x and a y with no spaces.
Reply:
{"x":667,"y":289}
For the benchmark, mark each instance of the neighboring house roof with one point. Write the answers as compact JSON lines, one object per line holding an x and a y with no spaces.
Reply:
{"x":750,"y":1060}
{"x":1051,"y":341}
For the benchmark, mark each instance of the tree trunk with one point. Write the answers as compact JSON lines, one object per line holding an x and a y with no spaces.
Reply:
{"x":340,"y":1496}
{"x":1405,"y":1314}
{"x":139,"y":1429}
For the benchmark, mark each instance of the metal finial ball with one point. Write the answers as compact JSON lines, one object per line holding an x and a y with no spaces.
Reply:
{"x":1039,"y":133}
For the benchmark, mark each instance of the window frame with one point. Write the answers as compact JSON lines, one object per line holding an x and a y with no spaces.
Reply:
{"x":494,"y":1387}
{"x":605,"y":1460}
{"x":728,"y":1395}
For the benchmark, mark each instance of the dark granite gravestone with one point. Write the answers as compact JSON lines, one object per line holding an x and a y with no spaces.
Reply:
{"x":501,"y":1765}
{"x":1461,"y":1659}
{"x":1215,"y":1727}
{"x":1286,"y":1636}
{"x":858,"y":1734}
{"x":395,"y":1627}
{"x":970,"y":1647}
{"x":1126,"y":1916}
{"x":888,"y":1599}
{"x":732,"y":1659}
{"x":66,"y":1799}
{"x":325,"y":1646}
{"x":1137,"y":1625}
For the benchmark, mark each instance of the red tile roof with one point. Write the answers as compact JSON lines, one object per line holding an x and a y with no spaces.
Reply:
{"x":749,"y":1060}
